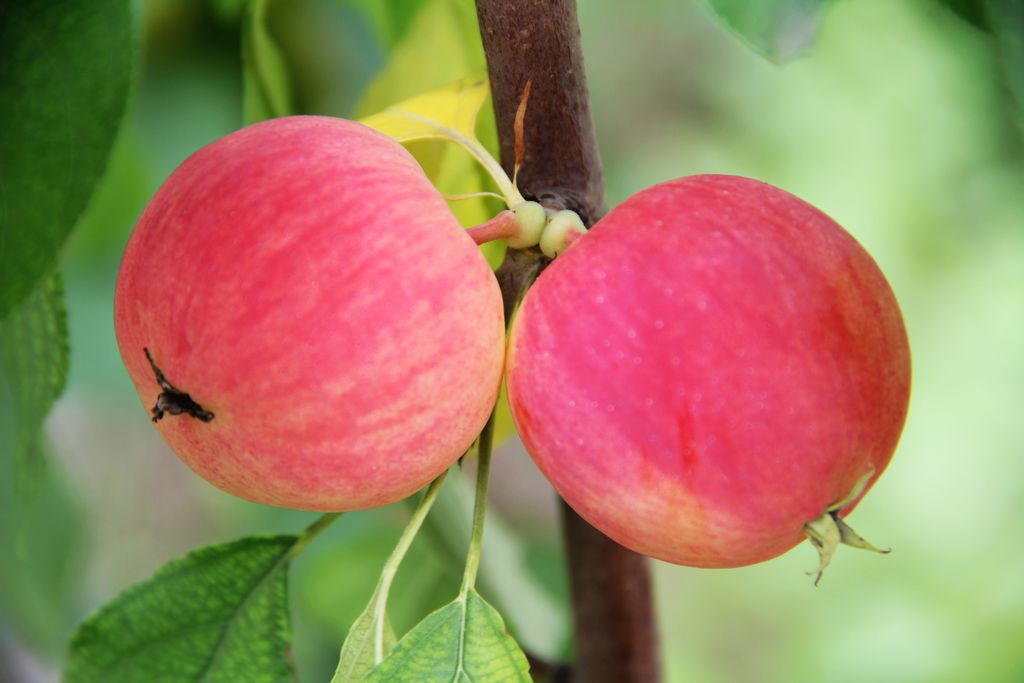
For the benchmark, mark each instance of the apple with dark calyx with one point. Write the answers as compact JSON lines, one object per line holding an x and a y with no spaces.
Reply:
{"x":304,"y":312}
{"x":714,"y":372}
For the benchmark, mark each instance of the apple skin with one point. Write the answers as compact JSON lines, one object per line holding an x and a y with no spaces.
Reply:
{"x":708,"y":369}
{"x":303,"y":281}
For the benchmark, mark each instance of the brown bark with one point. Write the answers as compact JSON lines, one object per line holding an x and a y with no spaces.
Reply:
{"x":538,"y":41}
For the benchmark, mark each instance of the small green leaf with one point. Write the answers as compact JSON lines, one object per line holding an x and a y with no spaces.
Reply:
{"x":64,"y":82}
{"x":266,"y":86}
{"x":34,"y":362}
{"x":219,"y":614}
{"x":359,"y":652}
{"x":465,"y":640}
{"x":778,"y":29}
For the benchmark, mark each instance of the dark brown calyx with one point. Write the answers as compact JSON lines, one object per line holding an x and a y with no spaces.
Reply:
{"x":173,"y":401}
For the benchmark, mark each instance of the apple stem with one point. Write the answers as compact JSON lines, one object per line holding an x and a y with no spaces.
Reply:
{"x":501,"y":227}
{"x":387,"y":575}
{"x":307,"y":535}
{"x":483,"y":475}
{"x":524,"y":226}
{"x":473,"y":195}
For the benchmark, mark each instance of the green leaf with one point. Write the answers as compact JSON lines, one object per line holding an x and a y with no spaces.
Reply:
{"x":266,"y":86}
{"x":778,"y":29}
{"x":219,"y":614}
{"x":34,"y":362}
{"x":358,"y":653}
{"x":465,"y":640}
{"x":64,"y":83}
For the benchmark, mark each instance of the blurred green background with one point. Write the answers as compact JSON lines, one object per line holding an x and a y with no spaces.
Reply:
{"x":897,"y":123}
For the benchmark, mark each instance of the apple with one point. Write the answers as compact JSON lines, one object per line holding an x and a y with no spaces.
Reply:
{"x":712,"y":368}
{"x":309,"y":322}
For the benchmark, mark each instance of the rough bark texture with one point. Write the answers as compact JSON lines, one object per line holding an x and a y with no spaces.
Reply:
{"x":616,"y":634}
{"x":539,"y":41}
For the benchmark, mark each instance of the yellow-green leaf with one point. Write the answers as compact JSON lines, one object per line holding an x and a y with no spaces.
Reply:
{"x":455,"y":106}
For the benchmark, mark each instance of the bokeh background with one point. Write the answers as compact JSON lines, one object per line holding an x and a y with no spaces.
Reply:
{"x":898,"y":123}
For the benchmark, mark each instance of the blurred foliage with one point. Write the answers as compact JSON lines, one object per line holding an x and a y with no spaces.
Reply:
{"x":59,"y":115}
{"x":41,"y":558}
{"x":778,"y":29}
{"x":34,"y":365}
{"x":1005,"y":19}
{"x":898,"y":122}
{"x":62,"y":97}
{"x":266,"y":84}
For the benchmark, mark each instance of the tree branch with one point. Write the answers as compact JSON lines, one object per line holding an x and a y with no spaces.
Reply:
{"x":538,"y":41}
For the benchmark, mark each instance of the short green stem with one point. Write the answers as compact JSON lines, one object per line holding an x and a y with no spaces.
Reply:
{"x":476,"y":539}
{"x":307,"y":535}
{"x":478,"y":152}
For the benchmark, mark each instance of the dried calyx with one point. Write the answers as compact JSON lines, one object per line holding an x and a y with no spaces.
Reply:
{"x":173,"y":401}
{"x":829,"y":530}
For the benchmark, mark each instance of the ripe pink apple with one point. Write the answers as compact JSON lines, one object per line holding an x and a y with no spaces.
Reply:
{"x":709,"y":369}
{"x":328,"y":335}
